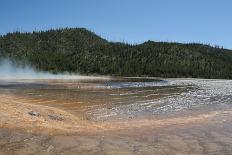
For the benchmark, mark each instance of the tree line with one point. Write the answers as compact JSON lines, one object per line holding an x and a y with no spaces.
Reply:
{"x":77,"y":50}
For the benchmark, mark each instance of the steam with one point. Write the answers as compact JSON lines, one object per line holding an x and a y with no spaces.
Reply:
{"x":9,"y":70}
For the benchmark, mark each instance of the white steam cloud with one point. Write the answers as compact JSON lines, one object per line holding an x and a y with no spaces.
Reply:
{"x":8,"y":70}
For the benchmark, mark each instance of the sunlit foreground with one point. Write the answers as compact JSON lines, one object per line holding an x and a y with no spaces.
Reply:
{"x":115,"y":116}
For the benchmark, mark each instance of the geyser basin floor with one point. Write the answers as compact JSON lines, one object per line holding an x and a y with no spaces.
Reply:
{"x":117,"y":116}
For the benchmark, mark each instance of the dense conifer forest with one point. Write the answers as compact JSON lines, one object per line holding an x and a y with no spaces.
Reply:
{"x":77,"y":50}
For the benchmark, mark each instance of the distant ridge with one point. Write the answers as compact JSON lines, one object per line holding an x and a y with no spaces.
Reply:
{"x":79,"y":50}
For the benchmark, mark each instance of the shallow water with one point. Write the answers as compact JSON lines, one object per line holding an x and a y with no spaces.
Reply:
{"x":92,"y":98}
{"x":137,"y":115}
{"x":121,"y":98}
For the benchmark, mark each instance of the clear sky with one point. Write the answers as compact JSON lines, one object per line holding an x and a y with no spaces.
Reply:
{"x":134,"y":21}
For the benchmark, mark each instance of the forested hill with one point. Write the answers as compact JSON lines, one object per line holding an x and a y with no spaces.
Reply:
{"x":81,"y":51}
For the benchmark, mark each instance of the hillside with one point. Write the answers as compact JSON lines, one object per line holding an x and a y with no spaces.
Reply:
{"x":81,"y":51}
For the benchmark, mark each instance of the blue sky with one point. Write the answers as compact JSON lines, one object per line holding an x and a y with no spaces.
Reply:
{"x":134,"y":21}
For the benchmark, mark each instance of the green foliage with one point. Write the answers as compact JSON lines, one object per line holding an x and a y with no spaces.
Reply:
{"x":81,"y":51}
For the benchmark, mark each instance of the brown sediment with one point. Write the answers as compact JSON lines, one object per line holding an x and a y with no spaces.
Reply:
{"x":170,"y":121}
{"x":53,"y":124}
{"x":202,"y":132}
{"x":15,"y":114}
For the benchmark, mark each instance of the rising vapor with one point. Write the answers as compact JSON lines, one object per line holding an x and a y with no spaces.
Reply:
{"x":9,"y":70}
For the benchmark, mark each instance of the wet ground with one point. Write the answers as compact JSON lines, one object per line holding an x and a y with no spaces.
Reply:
{"x":116,"y":116}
